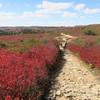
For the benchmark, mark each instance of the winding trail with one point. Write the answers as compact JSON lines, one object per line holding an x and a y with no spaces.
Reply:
{"x":74,"y":82}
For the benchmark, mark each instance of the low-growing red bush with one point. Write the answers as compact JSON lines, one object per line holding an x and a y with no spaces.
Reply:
{"x":89,"y":54}
{"x":20,"y":73}
{"x":74,"y":48}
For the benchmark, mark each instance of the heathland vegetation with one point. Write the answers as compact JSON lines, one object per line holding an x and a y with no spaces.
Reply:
{"x":28,"y":54}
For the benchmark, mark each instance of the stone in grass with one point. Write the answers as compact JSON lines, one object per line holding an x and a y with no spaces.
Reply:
{"x":58,"y":93}
{"x":69,"y":96}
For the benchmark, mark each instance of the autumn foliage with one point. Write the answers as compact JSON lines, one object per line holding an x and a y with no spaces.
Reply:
{"x":23,"y":74}
{"x":89,"y":54}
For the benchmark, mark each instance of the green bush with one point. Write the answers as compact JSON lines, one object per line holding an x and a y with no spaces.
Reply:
{"x":80,"y":41}
{"x":89,"y":32}
{"x":97,"y":41}
{"x":2,"y":45}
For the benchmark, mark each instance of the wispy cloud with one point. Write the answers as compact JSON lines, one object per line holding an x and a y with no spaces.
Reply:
{"x":30,"y":14}
{"x":55,"y":5}
{"x":85,"y":9}
{"x":50,"y":13}
{"x":80,"y":6}
{"x":7,"y":15}
{"x":92,"y":10}
{"x":67,"y":14}
{"x":1,"y":5}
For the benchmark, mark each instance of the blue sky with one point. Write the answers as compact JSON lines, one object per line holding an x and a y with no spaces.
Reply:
{"x":49,"y":12}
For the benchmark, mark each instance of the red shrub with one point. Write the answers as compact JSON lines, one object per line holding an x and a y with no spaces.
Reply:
{"x":90,"y":54}
{"x":74,"y":48}
{"x":20,"y":72}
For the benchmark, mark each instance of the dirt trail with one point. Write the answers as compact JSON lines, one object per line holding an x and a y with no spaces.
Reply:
{"x":74,"y":82}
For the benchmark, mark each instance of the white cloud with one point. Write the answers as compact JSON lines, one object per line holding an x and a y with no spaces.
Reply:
{"x":1,"y":5}
{"x":54,"y":5}
{"x":80,"y":6}
{"x":25,"y":18}
{"x":45,"y":12}
{"x":69,"y":14}
{"x":6,"y":15}
{"x":39,"y":13}
{"x":49,"y":13}
{"x":6,"y":18}
{"x":83,"y":8}
{"x":91,"y":10}
{"x":32,"y":14}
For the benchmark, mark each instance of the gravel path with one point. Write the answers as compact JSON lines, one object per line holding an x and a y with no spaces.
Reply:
{"x":74,"y":82}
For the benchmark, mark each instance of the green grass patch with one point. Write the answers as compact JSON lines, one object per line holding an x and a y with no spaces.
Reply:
{"x":80,"y":42}
{"x":22,"y":45}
